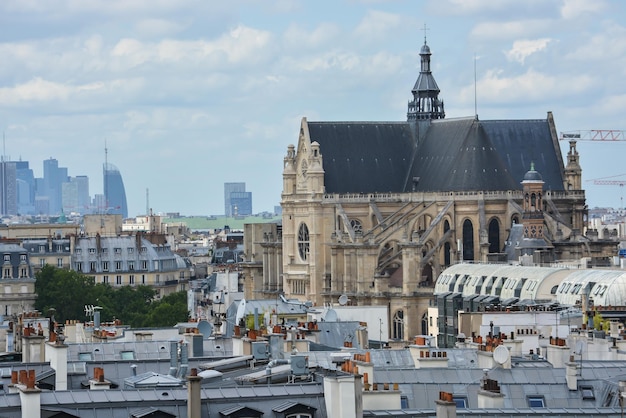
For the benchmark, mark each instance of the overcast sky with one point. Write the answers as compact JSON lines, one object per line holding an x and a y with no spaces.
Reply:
{"x":189,"y":94}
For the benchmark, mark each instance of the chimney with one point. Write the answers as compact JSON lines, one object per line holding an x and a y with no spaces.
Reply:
{"x":30,"y":395}
{"x":99,"y":382}
{"x":571,"y":373}
{"x":194,"y":401}
{"x":489,"y":396}
{"x":343,"y":395}
{"x":445,"y":406}
{"x":56,"y":354}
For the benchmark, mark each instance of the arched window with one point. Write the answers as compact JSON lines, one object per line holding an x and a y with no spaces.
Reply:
{"x":398,"y":325}
{"x":356,"y":226}
{"x":303,"y":241}
{"x":468,"y":240}
{"x":494,"y":236}
{"x":447,"y":258}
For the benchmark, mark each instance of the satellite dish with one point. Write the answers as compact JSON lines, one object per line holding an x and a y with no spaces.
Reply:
{"x":241,"y":311}
{"x":580,"y":347}
{"x":330,"y":316}
{"x":501,"y":354}
{"x":343,"y":299}
{"x":205,"y":328}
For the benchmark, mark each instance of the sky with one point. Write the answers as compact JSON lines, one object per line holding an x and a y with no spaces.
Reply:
{"x":189,"y":94}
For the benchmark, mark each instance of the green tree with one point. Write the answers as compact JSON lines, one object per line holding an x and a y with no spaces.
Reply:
{"x":64,"y":290}
{"x":69,"y":291}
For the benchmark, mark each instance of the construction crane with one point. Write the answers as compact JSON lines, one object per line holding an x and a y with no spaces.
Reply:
{"x":605,"y":182}
{"x":594,"y":135}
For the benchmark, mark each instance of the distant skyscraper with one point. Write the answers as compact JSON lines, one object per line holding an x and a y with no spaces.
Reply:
{"x":241,"y":203}
{"x":75,"y":195}
{"x":229,"y":189}
{"x":8,"y":188}
{"x":53,"y":177}
{"x":26,"y":187}
{"x":114,"y":192}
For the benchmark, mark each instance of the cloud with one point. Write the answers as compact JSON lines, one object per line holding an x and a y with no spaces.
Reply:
{"x":509,"y":30}
{"x":531,"y":87}
{"x":376,"y":25}
{"x":524,"y":48}
{"x":572,"y":9}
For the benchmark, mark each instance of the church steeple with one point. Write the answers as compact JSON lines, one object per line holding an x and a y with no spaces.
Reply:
{"x":425,"y":104}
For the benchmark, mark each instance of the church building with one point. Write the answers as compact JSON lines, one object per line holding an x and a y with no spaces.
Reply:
{"x":376,"y":210}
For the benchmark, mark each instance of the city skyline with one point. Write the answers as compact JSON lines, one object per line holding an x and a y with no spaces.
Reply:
{"x":191,"y":95}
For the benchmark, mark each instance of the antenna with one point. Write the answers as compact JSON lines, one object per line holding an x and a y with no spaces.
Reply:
{"x":148,"y":201}
{"x":475,"y":90}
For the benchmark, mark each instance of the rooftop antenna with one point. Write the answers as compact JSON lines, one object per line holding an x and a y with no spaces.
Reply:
{"x":425,"y":29}
{"x":475,"y":92}
{"x":148,"y":202}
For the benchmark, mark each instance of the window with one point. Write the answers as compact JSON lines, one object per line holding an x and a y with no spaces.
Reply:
{"x":105,"y":266}
{"x":127,"y":355}
{"x":85,"y":357}
{"x":299,"y":416}
{"x":131,"y":265}
{"x":92,"y":251}
{"x":59,"y":262}
{"x":7,"y":273}
{"x":23,"y":258}
{"x":7,"y":290}
{"x":131,"y":279}
{"x":118,"y":279}
{"x":144,"y":265}
{"x":104,"y":251}
{"x":158,"y":278}
{"x":131,"y":250}
{"x":59,"y":248}
{"x":23,"y":272}
{"x":118,"y":265}
{"x":42,"y":248}
{"x":7,"y":258}
{"x":92,"y":266}
{"x":303,"y":241}
{"x":143,"y":250}
{"x":356,"y":226}
{"x":398,"y":325}
{"x":79,"y":267}
{"x":78,"y":251}
{"x":536,"y":402}
{"x":460,"y":401}
{"x":404,"y":402}
{"x":42,"y":262}
{"x":117,"y":250}
{"x":587,"y":392}
{"x":143,"y":279}
{"x":105,"y":279}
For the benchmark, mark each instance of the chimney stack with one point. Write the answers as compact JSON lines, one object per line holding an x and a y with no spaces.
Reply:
{"x":194,"y":401}
{"x":446,"y":407}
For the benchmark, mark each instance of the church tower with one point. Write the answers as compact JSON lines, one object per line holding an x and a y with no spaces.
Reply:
{"x":425,"y":104}
{"x":532,"y":218}
{"x":573,"y":172}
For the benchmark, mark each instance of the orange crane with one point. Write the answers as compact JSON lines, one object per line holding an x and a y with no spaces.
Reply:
{"x":594,"y":135}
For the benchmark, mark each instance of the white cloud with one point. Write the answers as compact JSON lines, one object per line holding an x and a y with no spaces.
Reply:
{"x":531,"y":87}
{"x":572,"y":9}
{"x":375,"y":25}
{"x":509,"y":30}
{"x":524,"y":48}
{"x":323,"y":35}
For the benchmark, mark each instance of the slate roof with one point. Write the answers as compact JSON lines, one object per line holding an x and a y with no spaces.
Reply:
{"x":364,"y":157}
{"x":463,"y":154}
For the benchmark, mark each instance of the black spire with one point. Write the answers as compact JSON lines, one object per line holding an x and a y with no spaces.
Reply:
{"x":425,"y":104}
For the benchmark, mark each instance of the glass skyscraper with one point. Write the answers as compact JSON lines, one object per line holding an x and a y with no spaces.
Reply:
{"x":114,"y":192}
